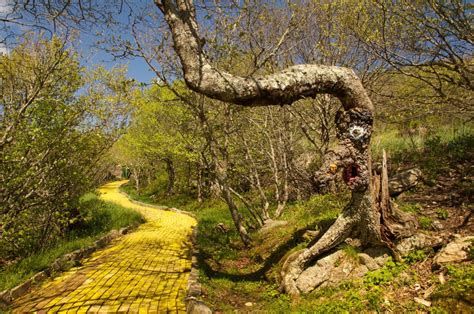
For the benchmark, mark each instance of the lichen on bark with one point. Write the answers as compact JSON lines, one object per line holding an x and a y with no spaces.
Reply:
{"x":361,"y":218}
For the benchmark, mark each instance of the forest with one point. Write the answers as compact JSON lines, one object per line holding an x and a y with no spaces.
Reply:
{"x":324,"y":147}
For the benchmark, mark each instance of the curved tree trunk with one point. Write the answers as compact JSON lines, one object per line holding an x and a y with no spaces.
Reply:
{"x":361,"y":217}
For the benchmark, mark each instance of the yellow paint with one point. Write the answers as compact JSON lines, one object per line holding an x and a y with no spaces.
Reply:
{"x":143,"y":272}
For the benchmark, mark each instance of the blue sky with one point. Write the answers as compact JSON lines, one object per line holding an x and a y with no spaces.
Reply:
{"x":91,"y":55}
{"x":137,"y":67}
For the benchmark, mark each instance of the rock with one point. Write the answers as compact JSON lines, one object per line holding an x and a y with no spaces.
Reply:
{"x":314,"y":276}
{"x":39,"y":277}
{"x":20,"y":290}
{"x":270,"y":224}
{"x":309,"y":235}
{"x":368,"y":261}
{"x":379,"y":254}
{"x":114,"y":234}
{"x":422,"y":301}
{"x":417,"y":287}
{"x":58,"y":265}
{"x":195,"y":306}
{"x":249,"y":304}
{"x":416,"y":242}
{"x":404,"y":181}
{"x":455,"y":251}
{"x":5,"y":297}
{"x":194,"y":290}
{"x":441,"y":278}
{"x":336,"y":267}
{"x":437,"y":225}
{"x":221,"y":227}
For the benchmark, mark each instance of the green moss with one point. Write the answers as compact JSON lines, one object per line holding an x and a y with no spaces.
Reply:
{"x":442,"y":213}
{"x":411,"y":208}
{"x":425,"y":222}
{"x":457,"y":294}
{"x":351,"y":252}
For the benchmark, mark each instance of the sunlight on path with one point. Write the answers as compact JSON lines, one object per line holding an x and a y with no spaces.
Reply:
{"x":145,"y":271}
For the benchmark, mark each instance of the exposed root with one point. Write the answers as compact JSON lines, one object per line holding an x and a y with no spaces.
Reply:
{"x":297,"y":262}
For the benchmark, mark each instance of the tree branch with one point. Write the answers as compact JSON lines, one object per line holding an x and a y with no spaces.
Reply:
{"x":285,"y":87}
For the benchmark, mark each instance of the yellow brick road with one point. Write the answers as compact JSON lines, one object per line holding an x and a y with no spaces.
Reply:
{"x":144,"y":272}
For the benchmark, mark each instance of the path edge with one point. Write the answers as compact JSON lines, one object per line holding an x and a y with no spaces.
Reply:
{"x":194,"y":305}
{"x":60,"y":265}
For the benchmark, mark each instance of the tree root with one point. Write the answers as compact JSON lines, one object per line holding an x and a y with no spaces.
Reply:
{"x":297,"y":262}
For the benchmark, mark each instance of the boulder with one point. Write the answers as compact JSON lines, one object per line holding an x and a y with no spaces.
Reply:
{"x":417,"y":242}
{"x":455,"y":251}
{"x":404,"y":181}
{"x":367,"y":260}
{"x":316,"y":275}
{"x":195,"y":306}
{"x":270,"y":224}
{"x":336,"y":267}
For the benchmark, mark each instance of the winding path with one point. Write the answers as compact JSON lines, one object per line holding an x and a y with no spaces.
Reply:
{"x":145,"y":271}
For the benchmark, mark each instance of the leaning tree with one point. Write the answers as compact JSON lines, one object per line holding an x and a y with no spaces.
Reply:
{"x":368,"y":216}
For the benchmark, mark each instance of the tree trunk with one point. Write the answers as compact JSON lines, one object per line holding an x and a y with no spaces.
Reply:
{"x":199,"y":183}
{"x":171,"y":175}
{"x":361,"y":218}
{"x":236,"y":216}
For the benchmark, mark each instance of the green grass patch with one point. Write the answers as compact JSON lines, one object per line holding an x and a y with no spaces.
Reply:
{"x":433,"y":153}
{"x":425,"y":222}
{"x":411,"y":208}
{"x":96,"y":219}
{"x":442,"y":213}
{"x":457,"y":294}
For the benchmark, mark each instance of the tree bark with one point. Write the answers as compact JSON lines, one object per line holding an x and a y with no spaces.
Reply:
{"x":285,"y":87}
{"x":171,"y":175}
{"x":360,"y":218}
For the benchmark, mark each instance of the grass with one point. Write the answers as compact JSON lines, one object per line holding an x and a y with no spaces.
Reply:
{"x":425,"y":222}
{"x":97,"y":219}
{"x":442,"y":213}
{"x":456,"y":294}
{"x":432,"y":154}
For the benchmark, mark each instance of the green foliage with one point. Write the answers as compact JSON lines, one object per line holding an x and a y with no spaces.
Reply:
{"x":433,"y":154}
{"x":411,"y":208}
{"x":425,"y":222}
{"x":320,"y":208}
{"x":442,"y":213}
{"x":456,"y":294}
{"x":96,"y":219}
{"x":51,"y":138}
{"x":351,"y":252}
{"x":415,"y":256}
{"x":384,"y":275}
{"x":470,"y":251}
